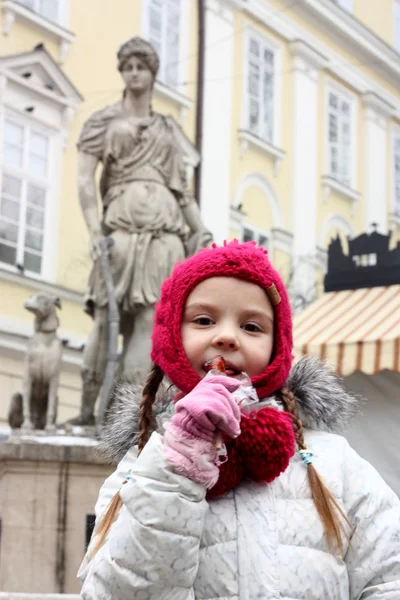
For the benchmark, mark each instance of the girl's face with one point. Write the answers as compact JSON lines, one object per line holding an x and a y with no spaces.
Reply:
{"x":137,"y":75}
{"x":231,"y":317}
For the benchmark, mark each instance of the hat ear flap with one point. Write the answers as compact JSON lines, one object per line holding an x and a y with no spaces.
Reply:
{"x":243,"y":261}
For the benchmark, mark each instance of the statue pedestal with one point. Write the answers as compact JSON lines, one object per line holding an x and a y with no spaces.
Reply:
{"x":80,"y":430}
{"x":65,"y":432}
{"x":48,"y":488}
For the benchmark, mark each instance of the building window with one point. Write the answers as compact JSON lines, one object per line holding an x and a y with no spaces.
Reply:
{"x":365,"y":260}
{"x":164,"y":32}
{"x":346,"y":4}
{"x":24,"y":193}
{"x":260,"y":89}
{"x":250,"y":233}
{"x":50,"y":9}
{"x":339,"y":137}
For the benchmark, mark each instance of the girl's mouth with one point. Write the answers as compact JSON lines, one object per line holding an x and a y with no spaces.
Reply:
{"x":231,"y":372}
{"x":222,"y":366}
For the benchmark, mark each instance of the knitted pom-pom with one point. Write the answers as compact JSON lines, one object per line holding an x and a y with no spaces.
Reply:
{"x":266,"y":443}
{"x":261,"y":453}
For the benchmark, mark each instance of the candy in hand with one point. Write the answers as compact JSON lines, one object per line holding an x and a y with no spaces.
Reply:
{"x":245,"y":393}
{"x":215,"y":365}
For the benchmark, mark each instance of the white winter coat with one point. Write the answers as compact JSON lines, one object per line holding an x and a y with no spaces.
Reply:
{"x":261,"y":541}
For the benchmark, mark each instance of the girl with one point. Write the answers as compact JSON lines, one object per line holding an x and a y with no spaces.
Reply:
{"x":268,"y":522}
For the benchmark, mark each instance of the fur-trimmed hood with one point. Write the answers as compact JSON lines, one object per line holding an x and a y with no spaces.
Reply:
{"x":323,"y":402}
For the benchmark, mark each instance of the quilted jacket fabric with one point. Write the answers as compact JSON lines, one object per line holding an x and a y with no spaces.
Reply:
{"x":261,"y":541}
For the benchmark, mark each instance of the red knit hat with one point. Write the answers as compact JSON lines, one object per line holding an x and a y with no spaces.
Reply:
{"x":244,"y":261}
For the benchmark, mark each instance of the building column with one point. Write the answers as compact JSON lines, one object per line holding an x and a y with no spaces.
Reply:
{"x":217,"y":111}
{"x":3,"y":89}
{"x":376,"y":122}
{"x":304,"y":155}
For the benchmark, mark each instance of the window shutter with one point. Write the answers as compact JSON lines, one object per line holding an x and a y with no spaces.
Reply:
{"x":155,"y":25}
{"x":260,"y":89}
{"x":172,"y":36}
{"x":164,"y":34}
{"x":339,"y":138}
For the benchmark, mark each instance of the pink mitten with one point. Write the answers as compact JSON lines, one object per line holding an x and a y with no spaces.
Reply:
{"x":189,"y":440}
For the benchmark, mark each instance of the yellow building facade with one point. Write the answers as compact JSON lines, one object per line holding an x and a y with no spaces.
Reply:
{"x":300,"y":130}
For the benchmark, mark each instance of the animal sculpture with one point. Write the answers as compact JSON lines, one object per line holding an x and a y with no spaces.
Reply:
{"x":36,"y":407}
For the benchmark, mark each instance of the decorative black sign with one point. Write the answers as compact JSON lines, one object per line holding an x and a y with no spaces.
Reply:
{"x":370,"y":263}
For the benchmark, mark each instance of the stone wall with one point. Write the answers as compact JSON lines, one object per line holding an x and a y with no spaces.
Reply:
{"x":11,"y":596}
{"x":48,"y":489}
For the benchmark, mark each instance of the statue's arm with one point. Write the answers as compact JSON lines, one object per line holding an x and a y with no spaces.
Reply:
{"x":87,"y":165}
{"x":192,"y":216}
{"x":200,"y":235}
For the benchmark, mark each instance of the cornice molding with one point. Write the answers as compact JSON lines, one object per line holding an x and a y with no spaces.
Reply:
{"x":379,"y":56}
{"x":40,"y":285}
{"x":348,"y":28}
{"x":13,"y":11}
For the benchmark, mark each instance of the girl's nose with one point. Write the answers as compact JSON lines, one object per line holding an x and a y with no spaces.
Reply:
{"x":226,"y":340}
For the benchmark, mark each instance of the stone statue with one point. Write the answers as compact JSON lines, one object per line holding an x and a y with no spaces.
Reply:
{"x":148,"y":212}
{"x":36,"y":407}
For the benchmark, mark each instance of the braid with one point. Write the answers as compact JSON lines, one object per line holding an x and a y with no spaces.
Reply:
{"x":329,"y":510}
{"x":290,"y":404}
{"x":147,"y":423}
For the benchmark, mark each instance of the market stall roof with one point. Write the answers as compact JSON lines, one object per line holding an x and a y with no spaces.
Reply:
{"x":374,"y":434}
{"x":352,"y":330}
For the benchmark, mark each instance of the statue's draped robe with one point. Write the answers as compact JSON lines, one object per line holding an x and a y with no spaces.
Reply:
{"x":143,"y":189}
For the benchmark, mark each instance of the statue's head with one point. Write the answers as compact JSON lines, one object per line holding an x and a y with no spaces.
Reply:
{"x":42,"y":305}
{"x":138,"y":63}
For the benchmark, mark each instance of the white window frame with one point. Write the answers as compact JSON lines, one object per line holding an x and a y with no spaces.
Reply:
{"x":344,"y":93}
{"x":183,"y":50}
{"x":36,"y":5}
{"x":52,"y":113}
{"x":257,"y":233}
{"x":395,"y":197}
{"x":345,"y":4}
{"x":14,"y":10}
{"x":276,"y":49}
{"x":28,"y":126}
{"x":396,"y":25}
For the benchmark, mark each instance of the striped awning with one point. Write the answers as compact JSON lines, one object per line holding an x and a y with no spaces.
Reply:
{"x":352,"y":330}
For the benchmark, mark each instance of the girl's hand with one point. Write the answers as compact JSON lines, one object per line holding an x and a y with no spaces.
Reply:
{"x":210,"y":406}
{"x":189,"y":441}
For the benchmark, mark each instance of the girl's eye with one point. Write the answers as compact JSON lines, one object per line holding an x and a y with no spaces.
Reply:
{"x":203,"y":321}
{"x":252,"y":327}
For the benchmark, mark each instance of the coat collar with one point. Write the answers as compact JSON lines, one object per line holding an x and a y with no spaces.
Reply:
{"x":323,"y":402}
